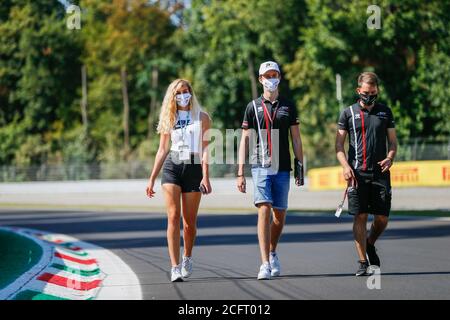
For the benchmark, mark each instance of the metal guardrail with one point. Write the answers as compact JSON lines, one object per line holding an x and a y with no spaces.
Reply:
{"x":79,"y":171}
{"x":411,"y":150}
{"x":414,"y":150}
{"x":70,"y":172}
{"x":418,"y":149}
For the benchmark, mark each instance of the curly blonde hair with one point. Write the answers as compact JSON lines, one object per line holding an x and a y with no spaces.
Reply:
{"x":167,"y":116}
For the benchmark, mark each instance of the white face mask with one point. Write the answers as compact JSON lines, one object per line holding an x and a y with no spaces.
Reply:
{"x":271,"y":84}
{"x":183,"y":99}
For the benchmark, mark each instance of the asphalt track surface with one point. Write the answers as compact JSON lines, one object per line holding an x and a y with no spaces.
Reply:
{"x":316,"y":251}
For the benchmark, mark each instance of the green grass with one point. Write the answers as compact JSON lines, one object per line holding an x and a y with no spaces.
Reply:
{"x":18,"y":254}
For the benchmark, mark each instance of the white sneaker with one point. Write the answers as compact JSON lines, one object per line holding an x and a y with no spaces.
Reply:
{"x":264,"y":272}
{"x":274,"y":265}
{"x":186,"y":267}
{"x":176,"y":274}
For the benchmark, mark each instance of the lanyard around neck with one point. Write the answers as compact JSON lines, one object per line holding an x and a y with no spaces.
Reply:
{"x":186,"y":122}
{"x":274,"y":114}
{"x":267,"y":116}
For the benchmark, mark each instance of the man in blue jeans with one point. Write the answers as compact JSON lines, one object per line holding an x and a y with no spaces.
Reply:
{"x":269,"y":120}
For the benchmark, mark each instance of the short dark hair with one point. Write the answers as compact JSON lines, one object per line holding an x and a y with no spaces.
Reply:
{"x":369,"y":78}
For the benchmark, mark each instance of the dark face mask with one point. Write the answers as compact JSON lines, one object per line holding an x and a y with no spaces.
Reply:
{"x":368,"y":99}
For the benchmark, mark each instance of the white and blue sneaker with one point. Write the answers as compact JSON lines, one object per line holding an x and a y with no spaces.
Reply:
{"x":274,"y":264}
{"x":264,"y":272}
{"x":176,"y":274}
{"x":186,"y":267}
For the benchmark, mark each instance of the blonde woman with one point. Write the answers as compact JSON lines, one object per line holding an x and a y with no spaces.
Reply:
{"x":182,"y":155}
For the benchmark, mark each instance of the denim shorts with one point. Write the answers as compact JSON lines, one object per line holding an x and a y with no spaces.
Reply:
{"x":271,"y":187}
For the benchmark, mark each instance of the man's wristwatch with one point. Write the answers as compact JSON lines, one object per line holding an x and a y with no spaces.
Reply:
{"x":390,"y":159}
{"x":240,"y":175}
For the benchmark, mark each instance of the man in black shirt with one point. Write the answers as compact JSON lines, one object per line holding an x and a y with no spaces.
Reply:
{"x":372,"y":148}
{"x":270,"y":119}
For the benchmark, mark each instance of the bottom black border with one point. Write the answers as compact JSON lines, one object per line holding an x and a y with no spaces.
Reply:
{"x":226,"y":309}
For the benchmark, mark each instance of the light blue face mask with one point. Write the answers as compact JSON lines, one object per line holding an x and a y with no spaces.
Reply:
{"x":271,"y":84}
{"x":183,"y":99}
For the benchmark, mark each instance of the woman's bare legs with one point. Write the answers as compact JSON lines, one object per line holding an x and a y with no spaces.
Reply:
{"x":172,"y":193}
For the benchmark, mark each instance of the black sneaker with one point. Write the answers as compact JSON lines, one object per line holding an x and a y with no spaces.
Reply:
{"x":374,"y":260}
{"x":362,"y":270}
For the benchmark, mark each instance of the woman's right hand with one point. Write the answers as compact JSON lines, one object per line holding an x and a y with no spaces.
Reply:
{"x":149,"y":191}
{"x":241,"y":184}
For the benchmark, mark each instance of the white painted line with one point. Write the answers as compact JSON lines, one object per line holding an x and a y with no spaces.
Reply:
{"x":120,"y":283}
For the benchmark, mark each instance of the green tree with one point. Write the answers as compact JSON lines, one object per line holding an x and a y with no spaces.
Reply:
{"x":226,"y":42}
{"x":337,"y":40}
{"x":38,"y":82}
{"x":128,"y":38}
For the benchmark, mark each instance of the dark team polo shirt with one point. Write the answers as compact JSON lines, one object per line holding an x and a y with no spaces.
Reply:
{"x":284,"y":114}
{"x":367,"y":134}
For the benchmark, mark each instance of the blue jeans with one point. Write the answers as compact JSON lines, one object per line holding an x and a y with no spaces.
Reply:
{"x":271,"y":188}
